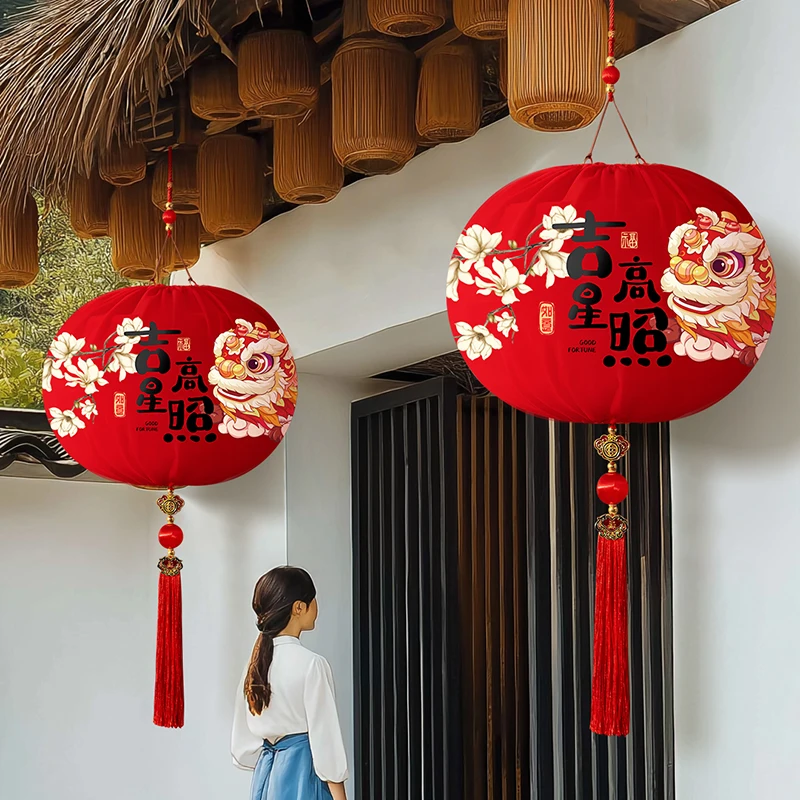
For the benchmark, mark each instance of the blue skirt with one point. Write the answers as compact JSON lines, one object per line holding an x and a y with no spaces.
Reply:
{"x":285,"y":771}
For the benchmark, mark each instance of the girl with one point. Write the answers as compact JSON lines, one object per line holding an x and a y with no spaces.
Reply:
{"x":285,"y":724}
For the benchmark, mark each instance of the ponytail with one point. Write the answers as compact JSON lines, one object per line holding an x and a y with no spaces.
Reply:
{"x":273,"y":599}
{"x":256,"y":686}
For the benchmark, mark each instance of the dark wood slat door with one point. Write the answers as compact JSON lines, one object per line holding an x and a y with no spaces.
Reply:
{"x":406,"y":605}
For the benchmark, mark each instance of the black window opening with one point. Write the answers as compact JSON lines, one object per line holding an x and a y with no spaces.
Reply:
{"x":473,"y":563}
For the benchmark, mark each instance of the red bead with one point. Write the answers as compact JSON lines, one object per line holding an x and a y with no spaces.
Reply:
{"x":610,"y":75}
{"x":169,"y":216}
{"x":612,"y":488}
{"x":170,"y":536}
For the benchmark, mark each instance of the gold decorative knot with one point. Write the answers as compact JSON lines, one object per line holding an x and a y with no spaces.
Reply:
{"x":611,"y":526}
{"x":611,"y":446}
{"x":170,"y":503}
{"x":170,"y":565}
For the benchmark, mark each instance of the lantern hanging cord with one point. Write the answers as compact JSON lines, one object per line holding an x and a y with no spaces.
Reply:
{"x":170,"y":217}
{"x":610,"y":77}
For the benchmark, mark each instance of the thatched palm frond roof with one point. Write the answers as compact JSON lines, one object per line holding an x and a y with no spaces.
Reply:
{"x":73,"y":71}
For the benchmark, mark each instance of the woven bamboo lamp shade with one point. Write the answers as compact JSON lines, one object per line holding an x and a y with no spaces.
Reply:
{"x":556,"y":53}
{"x":205,"y":236}
{"x":187,"y":232}
{"x":449,"y":94}
{"x":19,"y":245}
{"x":481,"y":19}
{"x":123,"y":164}
{"x":231,"y":179}
{"x":374,"y":84}
{"x":89,"y":205}
{"x":355,"y":18}
{"x":626,"y":32}
{"x":407,"y":17}
{"x":305,"y":168}
{"x":278,"y":73}
{"x":185,"y":189}
{"x":214,"y":91}
{"x":137,"y":232}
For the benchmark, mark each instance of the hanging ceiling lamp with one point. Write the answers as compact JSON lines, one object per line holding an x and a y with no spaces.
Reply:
{"x":136,"y":232}
{"x":305,"y":168}
{"x":185,"y":189}
{"x":374,"y":96}
{"x":231,"y":178}
{"x":214,"y":91}
{"x":481,"y":19}
{"x":278,"y":73}
{"x":19,"y":244}
{"x":89,"y":202}
{"x":555,"y":52}
{"x":407,"y":17}
{"x":355,"y":18}
{"x":449,"y":101}
{"x":123,"y":164}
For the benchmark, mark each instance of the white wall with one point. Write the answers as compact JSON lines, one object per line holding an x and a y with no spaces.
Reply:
{"x":719,"y":97}
{"x":78,"y":583}
{"x":318,"y":503}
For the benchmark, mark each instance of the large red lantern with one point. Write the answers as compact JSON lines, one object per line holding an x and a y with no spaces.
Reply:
{"x":611,"y":293}
{"x":163,"y":386}
{"x":168,"y":386}
{"x":621,"y":293}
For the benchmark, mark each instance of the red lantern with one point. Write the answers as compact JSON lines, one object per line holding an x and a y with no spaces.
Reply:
{"x":166,"y":386}
{"x":611,"y":294}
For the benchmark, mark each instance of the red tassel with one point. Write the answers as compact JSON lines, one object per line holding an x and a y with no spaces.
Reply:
{"x":610,"y":681}
{"x":168,"y":700}
{"x":168,"y":705}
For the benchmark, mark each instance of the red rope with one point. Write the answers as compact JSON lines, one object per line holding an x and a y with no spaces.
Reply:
{"x":612,"y":29}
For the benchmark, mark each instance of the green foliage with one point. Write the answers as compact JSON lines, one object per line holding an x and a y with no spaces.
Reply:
{"x":72,"y":272}
{"x":20,"y":369}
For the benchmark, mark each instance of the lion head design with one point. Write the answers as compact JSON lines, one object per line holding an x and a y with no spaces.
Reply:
{"x":720,"y":284}
{"x":255,"y":381}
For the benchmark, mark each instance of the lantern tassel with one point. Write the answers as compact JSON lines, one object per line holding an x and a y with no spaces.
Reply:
{"x":610,"y":680}
{"x":168,"y":703}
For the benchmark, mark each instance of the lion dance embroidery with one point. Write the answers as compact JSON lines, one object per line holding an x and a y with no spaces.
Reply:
{"x":721,"y":285}
{"x":255,"y":381}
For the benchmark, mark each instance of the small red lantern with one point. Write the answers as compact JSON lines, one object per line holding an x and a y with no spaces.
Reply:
{"x":167,"y":386}
{"x":609,"y":294}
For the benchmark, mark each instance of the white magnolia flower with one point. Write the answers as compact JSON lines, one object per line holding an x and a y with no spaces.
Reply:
{"x":477,"y":342}
{"x":48,"y":373}
{"x":551,"y":261}
{"x":475,"y":244}
{"x":129,"y":325}
{"x":506,"y":322}
{"x":64,"y":347}
{"x":88,"y":408}
{"x":86,"y":375}
{"x":65,"y":423}
{"x":122,"y":361}
{"x":503,"y":280}
{"x":457,"y":273}
{"x":559,"y":216}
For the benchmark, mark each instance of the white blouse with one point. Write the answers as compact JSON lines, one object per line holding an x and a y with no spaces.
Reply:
{"x":302,"y":701}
